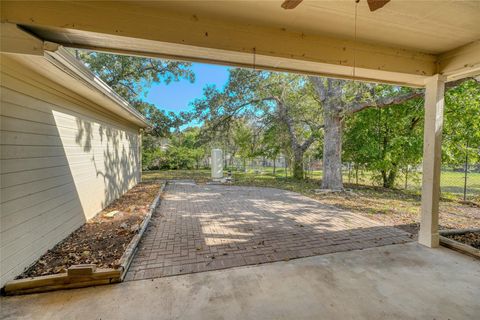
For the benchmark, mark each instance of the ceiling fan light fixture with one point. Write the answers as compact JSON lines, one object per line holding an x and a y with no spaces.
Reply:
{"x":376,"y":4}
{"x":290,"y":4}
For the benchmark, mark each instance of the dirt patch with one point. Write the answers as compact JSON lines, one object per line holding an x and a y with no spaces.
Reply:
{"x":469,"y":238}
{"x":402,"y":210}
{"x":103,"y":239}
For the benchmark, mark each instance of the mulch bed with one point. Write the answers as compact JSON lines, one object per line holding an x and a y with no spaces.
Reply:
{"x":102,"y":240}
{"x":469,"y":238}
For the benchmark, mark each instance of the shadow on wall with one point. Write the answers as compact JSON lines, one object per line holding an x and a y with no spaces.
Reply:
{"x":113,"y":158}
{"x":61,"y":163}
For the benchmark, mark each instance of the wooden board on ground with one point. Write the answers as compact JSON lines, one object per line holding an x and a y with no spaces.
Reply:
{"x":62,"y":281}
{"x":462,"y":247}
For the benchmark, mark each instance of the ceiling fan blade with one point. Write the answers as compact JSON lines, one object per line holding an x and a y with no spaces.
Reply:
{"x":290,"y":4}
{"x":376,"y":4}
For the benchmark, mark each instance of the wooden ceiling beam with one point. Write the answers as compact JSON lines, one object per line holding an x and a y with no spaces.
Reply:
{"x":118,"y":26}
{"x":461,"y":62}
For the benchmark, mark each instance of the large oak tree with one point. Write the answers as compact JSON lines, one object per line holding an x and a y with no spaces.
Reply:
{"x":267,"y":99}
{"x":341,"y":98}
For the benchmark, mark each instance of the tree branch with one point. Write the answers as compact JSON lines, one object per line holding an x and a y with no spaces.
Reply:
{"x":318,"y":84}
{"x":283,"y":116}
{"x":307,"y":143}
{"x":231,"y":114}
{"x":384,"y":101}
{"x":393,"y":100}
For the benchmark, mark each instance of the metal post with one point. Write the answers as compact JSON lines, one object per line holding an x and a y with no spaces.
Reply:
{"x":406,"y":178}
{"x":466,"y":174}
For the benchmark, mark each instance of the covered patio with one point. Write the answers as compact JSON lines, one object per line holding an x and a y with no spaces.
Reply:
{"x":419,"y":44}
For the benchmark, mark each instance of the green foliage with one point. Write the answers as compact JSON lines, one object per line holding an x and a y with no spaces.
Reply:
{"x":462,"y":124}
{"x":274,"y":106}
{"x":274,"y":141}
{"x":151,"y":159}
{"x":132,"y":76}
{"x":243,"y":137}
{"x":389,"y":140}
{"x":266,"y":114}
{"x":385,"y":140}
{"x":161,"y":123}
{"x":181,"y":151}
{"x":129,"y":75}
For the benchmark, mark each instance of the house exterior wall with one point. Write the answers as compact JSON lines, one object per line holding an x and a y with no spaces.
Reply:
{"x":62,"y":160}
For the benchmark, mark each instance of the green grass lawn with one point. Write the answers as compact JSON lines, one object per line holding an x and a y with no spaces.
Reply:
{"x":391,"y":207}
{"x":452,"y":183}
{"x":197,"y":175}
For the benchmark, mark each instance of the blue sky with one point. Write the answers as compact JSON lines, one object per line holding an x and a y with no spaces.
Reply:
{"x":176,"y":96}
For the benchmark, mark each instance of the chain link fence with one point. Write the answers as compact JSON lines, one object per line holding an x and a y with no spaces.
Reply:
{"x":456,"y":181}
{"x":459,"y":181}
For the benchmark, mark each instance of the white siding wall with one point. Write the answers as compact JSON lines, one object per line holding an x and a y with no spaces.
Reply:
{"x":62,"y":160}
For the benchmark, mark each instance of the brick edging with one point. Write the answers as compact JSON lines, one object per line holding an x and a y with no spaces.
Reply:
{"x":132,"y":247}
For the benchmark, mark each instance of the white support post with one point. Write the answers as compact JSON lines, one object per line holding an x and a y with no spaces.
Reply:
{"x":432,"y":156}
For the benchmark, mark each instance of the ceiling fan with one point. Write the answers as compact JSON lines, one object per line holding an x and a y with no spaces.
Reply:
{"x":372,"y":4}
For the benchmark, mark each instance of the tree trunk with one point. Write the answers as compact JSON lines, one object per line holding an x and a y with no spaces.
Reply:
{"x":406,"y":178}
{"x":349,"y":171}
{"x":274,"y":166}
{"x":298,"y":164}
{"x":332,"y":151}
{"x":389,"y":178}
{"x":356,"y":175}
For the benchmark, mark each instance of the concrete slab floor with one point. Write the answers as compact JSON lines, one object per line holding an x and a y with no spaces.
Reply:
{"x":404,"y":281}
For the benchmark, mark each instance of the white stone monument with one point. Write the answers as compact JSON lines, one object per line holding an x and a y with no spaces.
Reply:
{"x":217,"y":164}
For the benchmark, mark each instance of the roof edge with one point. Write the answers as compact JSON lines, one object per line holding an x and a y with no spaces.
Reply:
{"x":60,"y":57}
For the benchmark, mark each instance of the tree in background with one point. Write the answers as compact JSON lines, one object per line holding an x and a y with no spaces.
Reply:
{"x":264,"y":98}
{"x":191,"y":141}
{"x":274,"y":142}
{"x":184,"y":150}
{"x":129,"y":76}
{"x":461,"y":134}
{"x":132,"y":76}
{"x":341,"y":98}
{"x":244,"y":140}
{"x":385,"y":140}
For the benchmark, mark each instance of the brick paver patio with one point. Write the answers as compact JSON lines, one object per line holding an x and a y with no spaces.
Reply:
{"x":207,"y":227}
